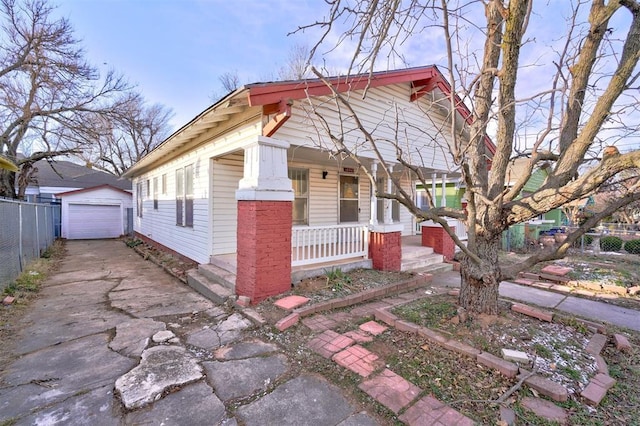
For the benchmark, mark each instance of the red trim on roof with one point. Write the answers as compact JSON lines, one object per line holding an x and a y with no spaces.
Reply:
{"x":270,"y":93}
{"x":282,"y":114}
{"x":93,"y":188}
{"x":423,"y":79}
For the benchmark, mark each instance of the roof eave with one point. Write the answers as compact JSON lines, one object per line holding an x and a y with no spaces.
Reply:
{"x":175,"y":138}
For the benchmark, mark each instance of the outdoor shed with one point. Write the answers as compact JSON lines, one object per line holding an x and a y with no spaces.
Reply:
{"x":97,"y":212}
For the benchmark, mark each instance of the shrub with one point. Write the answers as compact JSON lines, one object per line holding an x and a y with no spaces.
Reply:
{"x":632,"y":246}
{"x":610,"y":243}
{"x":585,"y":239}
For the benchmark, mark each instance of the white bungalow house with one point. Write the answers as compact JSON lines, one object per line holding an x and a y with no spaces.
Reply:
{"x":251,"y":181}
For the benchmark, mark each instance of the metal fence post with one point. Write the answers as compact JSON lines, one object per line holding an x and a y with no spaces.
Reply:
{"x":20,"y":236}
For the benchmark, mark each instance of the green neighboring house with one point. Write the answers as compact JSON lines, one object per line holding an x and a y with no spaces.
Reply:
{"x":517,"y":236}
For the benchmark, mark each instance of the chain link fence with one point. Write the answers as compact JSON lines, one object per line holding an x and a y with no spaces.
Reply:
{"x":529,"y":237}
{"x":26,"y":230}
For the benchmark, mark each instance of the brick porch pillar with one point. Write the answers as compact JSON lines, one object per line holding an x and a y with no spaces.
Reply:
{"x":436,"y":237}
{"x":385,"y":247}
{"x":264,"y":221}
{"x":264,"y":249}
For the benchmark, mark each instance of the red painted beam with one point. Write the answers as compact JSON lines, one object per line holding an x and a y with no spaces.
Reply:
{"x":282,"y":111}
{"x":270,"y":93}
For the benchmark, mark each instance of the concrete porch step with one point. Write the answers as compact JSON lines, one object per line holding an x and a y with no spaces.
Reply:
{"x":434,"y":269}
{"x":421,"y":262}
{"x":415,"y":252}
{"x":219,"y":275}
{"x":211,"y":290}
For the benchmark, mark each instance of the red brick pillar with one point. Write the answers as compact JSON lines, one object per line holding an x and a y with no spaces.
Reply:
{"x":437,"y":238}
{"x":264,"y":249}
{"x":265,"y":201}
{"x":385,"y":249}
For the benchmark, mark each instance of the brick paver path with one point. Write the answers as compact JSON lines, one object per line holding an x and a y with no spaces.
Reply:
{"x":391,"y":390}
{"x":357,"y":359}
{"x":329,"y":342}
{"x":386,"y":387}
{"x":428,"y":411}
{"x":319,"y":322}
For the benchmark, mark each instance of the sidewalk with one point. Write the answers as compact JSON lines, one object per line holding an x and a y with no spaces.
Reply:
{"x":582,"y":307}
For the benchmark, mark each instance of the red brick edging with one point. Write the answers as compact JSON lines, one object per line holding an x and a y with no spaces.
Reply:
{"x":593,"y":393}
{"x":417,"y":281}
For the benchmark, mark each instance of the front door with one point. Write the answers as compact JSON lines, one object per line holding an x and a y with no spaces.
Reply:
{"x":349,"y":208}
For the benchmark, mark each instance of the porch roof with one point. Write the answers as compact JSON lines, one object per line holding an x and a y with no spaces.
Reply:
{"x":275,"y":97}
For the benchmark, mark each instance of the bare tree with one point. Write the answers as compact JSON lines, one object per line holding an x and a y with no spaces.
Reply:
{"x":47,"y":90}
{"x":230,"y":81}
{"x":623,"y":183}
{"x":119,"y":140}
{"x":578,"y":104}
{"x":297,"y":65}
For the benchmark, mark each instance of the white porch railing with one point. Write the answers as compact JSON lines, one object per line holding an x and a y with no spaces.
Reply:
{"x":461,"y":229}
{"x":317,"y":244}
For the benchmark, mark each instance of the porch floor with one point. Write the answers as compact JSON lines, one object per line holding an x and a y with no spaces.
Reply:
{"x":411,"y":249}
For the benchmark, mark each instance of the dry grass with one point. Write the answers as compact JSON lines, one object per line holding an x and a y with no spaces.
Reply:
{"x":25,"y":288}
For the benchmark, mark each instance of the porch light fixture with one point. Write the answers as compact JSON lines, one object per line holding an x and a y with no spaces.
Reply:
{"x":324,"y":174}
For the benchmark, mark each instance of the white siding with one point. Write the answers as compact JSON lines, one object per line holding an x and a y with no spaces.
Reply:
{"x":227,"y":172}
{"x":215,"y":181}
{"x":365,"y":198}
{"x":160,"y":225}
{"x":426,"y":132}
{"x":323,"y":194}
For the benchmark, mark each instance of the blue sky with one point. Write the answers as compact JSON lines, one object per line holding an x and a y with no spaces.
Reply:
{"x":175,"y":50}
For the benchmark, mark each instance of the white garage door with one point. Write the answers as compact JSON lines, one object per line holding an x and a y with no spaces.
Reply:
{"x":88,"y":221}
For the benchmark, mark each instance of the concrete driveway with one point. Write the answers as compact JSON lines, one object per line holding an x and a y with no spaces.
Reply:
{"x":112,"y":340}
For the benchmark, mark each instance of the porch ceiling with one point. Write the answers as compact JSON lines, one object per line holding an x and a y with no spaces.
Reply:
{"x":325,"y":158}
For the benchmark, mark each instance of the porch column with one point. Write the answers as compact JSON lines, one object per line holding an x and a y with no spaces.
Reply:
{"x":385,"y":247}
{"x":264,"y":198}
{"x":388,"y":216}
{"x":434,"y":176}
{"x":434,"y":235}
{"x":373,"y":220}
{"x":443,"y":200}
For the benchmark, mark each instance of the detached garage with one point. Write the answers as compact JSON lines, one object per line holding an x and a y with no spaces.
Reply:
{"x":94,"y":213}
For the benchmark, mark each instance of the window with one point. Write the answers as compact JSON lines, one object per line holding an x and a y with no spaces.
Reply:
{"x":395,"y":206}
{"x":188,"y":183}
{"x":179,"y":196}
{"x":139,"y":199}
{"x":155,"y":193}
{"x":164,"y":184}
{"x":184,"y":196}
{"x":300,"y":183}
{"x":348,"y":199}
{"x":148,"y":191}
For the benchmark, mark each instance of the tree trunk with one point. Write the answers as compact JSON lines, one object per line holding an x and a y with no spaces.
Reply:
{"x":479,"y":284}
{"x":7,"y":187}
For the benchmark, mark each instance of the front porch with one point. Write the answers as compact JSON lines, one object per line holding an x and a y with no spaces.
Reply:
{"x":343,"y":253}
{"x":300,"y":219}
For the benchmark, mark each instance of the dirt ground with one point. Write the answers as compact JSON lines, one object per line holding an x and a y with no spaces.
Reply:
{"x":557,"y":349}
